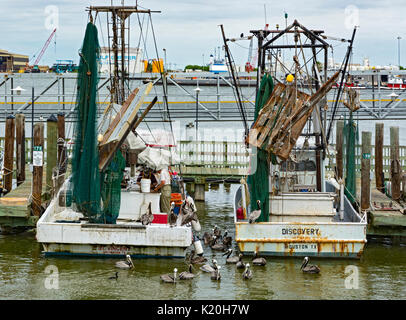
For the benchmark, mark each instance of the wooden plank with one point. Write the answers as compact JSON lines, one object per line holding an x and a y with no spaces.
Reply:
{"x":396,"y":169}
{"x":37,"y":171}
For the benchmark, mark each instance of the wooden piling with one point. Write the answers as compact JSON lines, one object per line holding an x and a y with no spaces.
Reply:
{"x":395,"y":168}
{"x":38,"y":162}
{"x":20,"y":148}
{"x":365,"y":170}
{"x":62,"y":162}
{"x":9,"y":154}
{"x":379,"y":175}
{"x":339,"y":148}
{"x":52,"y":137}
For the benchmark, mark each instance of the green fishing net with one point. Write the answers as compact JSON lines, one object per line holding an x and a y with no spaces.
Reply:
{"x":258,"y":182}
{"x":350,"y":139}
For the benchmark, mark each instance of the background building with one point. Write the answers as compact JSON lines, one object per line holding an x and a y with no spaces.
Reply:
{"x":135,"y":60}
{"x":12,"y":62}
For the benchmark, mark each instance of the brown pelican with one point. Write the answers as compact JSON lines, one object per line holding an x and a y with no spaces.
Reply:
{"x":258,"y":261}
{"x":309,"y":268}
{"x":229,"y":259}
{"x":247,"y":274}
{"x":188,"y":213}
{"x":147,"y":217}
{"x":227,"y":240}
{"x":114,"y":277}
{"x":207,"y":238}
{"x":127,"y":264}
{"x":215,"y":275}
{"x":209,"y":268}
{"x":187,"y":275}
{"x":196,"y":259}
{"x":254,"y":215}
{"x":240,"y":264}
{"x":217,"y":231}
{"x":172,"y":216}
{"x":215,"y":245}
{"x":169,"y":278}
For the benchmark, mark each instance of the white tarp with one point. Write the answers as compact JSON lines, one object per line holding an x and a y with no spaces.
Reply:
{"x":157,"y":159}
{"x":135,"y":142}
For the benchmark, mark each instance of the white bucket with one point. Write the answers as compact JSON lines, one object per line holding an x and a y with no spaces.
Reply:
{"x":145,"y":185}
{"x":198,"y":246}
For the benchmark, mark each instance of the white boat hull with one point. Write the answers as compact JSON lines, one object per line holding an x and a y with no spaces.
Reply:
{"x":339,"y":239}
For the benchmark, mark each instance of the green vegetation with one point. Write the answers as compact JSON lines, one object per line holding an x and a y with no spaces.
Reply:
{"x":401,"y":68}
{"x":196,"y":67}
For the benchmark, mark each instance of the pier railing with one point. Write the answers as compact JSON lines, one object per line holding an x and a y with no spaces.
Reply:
{"x":228,"y":158}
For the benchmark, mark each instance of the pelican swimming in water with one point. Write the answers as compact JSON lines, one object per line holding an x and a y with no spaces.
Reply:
{"x":229,"y":259}
{"x":187,"y":275}
{"x":240,"y":264}
{"x":172,"y":216}
{"x":227,"y":240}
{"x":309,"y":268}
{"x":207,"y":238}
{"x":215,"y":275}
{"x":217,"y":231}
{"x":169,"y":278}
{"x":196,"y":259}
{"x":209,"y":268}
{"x":247,"y":274}
{"x":258,"y":261}
{"x":147,"y":217}
{"x":254,"y":215}
{"x":127,"y":264}
{"x":114,"y":277}
{"x":219,"y":246}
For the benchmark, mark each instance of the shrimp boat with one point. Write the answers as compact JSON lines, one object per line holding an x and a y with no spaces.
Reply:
{"x":300,"y":212}
{"x":96,"y":212}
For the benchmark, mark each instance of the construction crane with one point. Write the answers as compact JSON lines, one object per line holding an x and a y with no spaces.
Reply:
{"x":35,"y":65}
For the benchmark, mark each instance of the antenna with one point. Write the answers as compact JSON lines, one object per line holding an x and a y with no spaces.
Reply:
{"x":265,"y":12}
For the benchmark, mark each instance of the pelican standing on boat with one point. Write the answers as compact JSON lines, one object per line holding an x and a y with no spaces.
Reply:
{"x":127,"y":264}
{"x":187,"y":275}
{"x":309,"y":268}
{"x":172,"y":216}
{"x":258,"y":261}
{"x":147,"y":217}
{"x":229,"y":259}
{"x":169,"y":278}
{"x":247,"y":274}
{"x":254,"y":215}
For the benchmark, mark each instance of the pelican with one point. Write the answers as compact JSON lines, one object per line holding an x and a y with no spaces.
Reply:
{"x":147,"y":217}
{"x":227,"y":240}
{"x":196,"y":259}
{"x":254,"y":215}
{"x":169,"y":278}
{"x":247,"y":274}
{"x":217,"y":231}
{"x":209,"y":268}
{"x":207,"y":238}
{"x":258,"y":261}
{"x":229,"y":259}
{"x":309,"y":268}
{"x":188,"y":213}
{"x":127,"y":264}
{"x":187,"y":275}
{"x":114,"y":277}
{"x":217,"y":246}
{"x":172,"y":216}
{"x":240,"y":264}
{"x":215,"y":275}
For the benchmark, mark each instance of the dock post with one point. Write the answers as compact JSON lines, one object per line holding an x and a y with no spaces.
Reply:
{"x":9,"y":154}
{"x":38,"y":163}
{"x":339,"y":149}
{"x":20,"y":148}
{"x":52,"y":128}
{"x":62,"y":162}
{"x":379,"y":175}
{"x":366,"y":170}
{"x":395,"y":168}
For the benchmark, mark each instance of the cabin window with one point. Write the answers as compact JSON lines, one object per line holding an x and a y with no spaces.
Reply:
{"x":304,"y":165}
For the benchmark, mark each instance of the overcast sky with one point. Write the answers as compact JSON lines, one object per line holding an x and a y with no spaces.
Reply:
{"x":189,"y":30}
